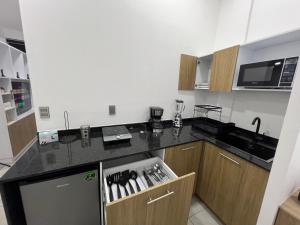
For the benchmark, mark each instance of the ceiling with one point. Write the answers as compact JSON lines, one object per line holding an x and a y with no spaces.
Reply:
{"x":10,"y":14}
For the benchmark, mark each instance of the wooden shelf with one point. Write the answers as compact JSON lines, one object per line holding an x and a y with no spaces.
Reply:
{"x":9,"y":108}
{"x":28,"y":113}
{"x":6,"y":93}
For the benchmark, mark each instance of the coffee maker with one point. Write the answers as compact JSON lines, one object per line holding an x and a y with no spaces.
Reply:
{"x":155,"y":119}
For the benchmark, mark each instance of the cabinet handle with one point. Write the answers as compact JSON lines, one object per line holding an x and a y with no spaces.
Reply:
{"x":226,"y":157}
{"x":161,"y":197}
{"x":184,"y":149}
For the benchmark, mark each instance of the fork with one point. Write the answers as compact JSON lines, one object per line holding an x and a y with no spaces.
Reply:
{"x":116,"y":177}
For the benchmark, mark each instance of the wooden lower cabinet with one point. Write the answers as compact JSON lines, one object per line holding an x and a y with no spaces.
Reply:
{"x":22,"y":132}
{"x":227,"y":185}
{"x":250,"y":196}
{"x":206,"y":184}
{"x":165,"y":204}
{"x":232,"y":187}
{"x":184,"y":159}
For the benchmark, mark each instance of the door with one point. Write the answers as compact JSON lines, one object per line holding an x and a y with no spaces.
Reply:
{"x":184,"y":159}
{"x":251,"y":193}
{"x":218,"y":185}
{"x":69,"y":200}
{"x":223,"y":69}
{"x":21,"y":133}
{"x":208,"y":175}
{"x":230,"y":171}
{"x":165,"y":204}
{"x":187,"y":72}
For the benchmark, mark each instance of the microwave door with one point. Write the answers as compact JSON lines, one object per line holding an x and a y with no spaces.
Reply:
{"x":262,"y":74}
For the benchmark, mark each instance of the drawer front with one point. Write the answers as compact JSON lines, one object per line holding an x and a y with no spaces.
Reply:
{"x":165,"y":204}
{"x":139,"y":167}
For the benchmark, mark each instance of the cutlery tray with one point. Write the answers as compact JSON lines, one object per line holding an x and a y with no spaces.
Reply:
{"x":139,"y":167}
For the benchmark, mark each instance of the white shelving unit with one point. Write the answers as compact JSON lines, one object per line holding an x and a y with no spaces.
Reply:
{"x":15,"y":100}
{"x":203,"y":72}
{"x":6,"y":68}
{"x":12,"y":61}
{"x":18,"y":64}
{"x":282,"y":46}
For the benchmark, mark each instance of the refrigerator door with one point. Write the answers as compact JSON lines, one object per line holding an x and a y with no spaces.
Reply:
{"x":70,"y":200}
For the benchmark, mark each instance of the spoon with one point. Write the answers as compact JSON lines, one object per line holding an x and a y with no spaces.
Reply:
{"x":109,"y":181}
{"x":133,"y":175}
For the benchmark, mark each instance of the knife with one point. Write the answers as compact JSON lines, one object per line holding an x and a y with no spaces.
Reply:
{"x":149,"y":182}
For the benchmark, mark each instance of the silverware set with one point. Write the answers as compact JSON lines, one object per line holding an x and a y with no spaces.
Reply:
{"x":157,"y":173}
{"x":153,"y":175}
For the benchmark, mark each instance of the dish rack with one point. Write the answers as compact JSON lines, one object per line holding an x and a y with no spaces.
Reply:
{"x":205,"y":109}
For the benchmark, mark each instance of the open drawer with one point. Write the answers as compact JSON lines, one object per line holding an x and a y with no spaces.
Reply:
{"x":165,"y":202}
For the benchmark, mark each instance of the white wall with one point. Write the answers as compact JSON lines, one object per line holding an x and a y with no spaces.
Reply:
{"x":284,"y":174}
{"x":241,"y":107}
{"x":232,"y":23}
{"x":85,"y":56}
{"x":11,"y":33}
{"x":271,"y":17}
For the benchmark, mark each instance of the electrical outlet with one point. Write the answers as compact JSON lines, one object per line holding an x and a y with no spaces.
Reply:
{"x":112,"y":109}
{"x":44,"y":112}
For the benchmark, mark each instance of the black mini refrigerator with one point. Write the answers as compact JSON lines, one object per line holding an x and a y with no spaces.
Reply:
{"x":65,"y":200}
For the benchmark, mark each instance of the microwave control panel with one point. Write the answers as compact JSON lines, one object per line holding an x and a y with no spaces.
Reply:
{"x":288,"y":72}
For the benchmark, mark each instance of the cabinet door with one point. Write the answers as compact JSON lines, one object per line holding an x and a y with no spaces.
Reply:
{"x":230,"y":170}
{"x":187,"y":72}
{"x":21,"y":133}
{"x":165,"y":204}
{"x":223,"y":69}
{"x":208,"y":175}
{"x":184,"y":159}
{"x":251,"y":193}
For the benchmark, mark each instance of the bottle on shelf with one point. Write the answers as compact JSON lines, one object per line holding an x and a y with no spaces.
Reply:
{"x":2,"y":73}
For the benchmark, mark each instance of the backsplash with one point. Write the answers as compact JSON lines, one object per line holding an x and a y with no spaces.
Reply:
{"x":241,"y":107}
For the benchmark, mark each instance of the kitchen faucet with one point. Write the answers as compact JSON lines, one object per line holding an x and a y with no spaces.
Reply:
{"x":258,"y":124}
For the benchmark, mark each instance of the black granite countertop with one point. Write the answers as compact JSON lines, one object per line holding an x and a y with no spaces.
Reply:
{"x":72,"y":152}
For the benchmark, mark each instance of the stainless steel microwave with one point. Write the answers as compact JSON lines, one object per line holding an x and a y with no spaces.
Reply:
{"x":268,"y":74}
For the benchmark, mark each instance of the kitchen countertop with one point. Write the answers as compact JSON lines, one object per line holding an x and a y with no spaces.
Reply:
{"x":73,"y":152}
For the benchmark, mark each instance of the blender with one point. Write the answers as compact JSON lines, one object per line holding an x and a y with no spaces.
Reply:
{"x":180,"y":107}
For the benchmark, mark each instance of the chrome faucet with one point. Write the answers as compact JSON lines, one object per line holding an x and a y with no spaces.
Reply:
{"x":258,"y":124}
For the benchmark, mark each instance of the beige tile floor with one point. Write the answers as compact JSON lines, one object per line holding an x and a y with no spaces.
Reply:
{"x":199,"y":213}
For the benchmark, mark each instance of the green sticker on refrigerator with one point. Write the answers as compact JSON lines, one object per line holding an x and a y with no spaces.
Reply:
{"x":90,"y":175}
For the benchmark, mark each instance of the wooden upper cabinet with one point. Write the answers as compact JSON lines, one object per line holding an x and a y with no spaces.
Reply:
{"x":184,"y":159}
{"x":187,"y":72}
{"x":223,"y":69}
{"x":165,"y":204}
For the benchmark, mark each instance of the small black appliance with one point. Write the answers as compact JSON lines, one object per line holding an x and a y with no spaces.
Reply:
{"x":155,"y":119}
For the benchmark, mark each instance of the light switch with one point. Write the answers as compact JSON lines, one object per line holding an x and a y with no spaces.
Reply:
{"x":112,"y":109}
